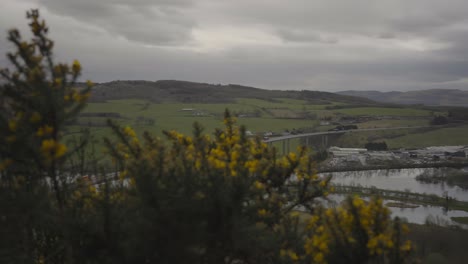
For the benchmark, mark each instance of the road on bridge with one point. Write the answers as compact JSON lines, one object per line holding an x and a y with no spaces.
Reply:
{"x":274,"y":139}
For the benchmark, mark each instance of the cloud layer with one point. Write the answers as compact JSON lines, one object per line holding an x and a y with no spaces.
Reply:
{"x":299,"y":44}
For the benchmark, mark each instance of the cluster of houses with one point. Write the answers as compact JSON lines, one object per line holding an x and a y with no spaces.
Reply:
{"x":444,"y":152}
{"x":195,"y":112}
{"x":429,"y":153}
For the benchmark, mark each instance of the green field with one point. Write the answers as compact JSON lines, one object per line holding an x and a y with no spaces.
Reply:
{"x":408,"y":138}
{"x":394,"y":123}
{"x":438,"y":137}
{"x":293,"y":104}
{"x":275,"y":115}
{"x":170,"y":116}
{"x":382,"y":111}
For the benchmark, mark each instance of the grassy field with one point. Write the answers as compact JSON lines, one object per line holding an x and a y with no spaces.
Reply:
{"x":353,"y":140}
{"x":438,"y":137}
{"x":394,"y":123}
{"x":276,"y":115}
{"x":382,"y":111}
{"x":292,"y":104}
{"x":408,"y":138}
{"x":169,"y":116}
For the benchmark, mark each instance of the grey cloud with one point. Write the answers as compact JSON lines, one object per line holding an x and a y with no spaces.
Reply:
{"x":386,"y":35}
{"x":321,"y":45}
{"x":300,"y":36}
{"x":150,"y":22}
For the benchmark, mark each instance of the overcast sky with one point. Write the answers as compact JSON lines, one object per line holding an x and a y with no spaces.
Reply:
{"x":328,"y":45}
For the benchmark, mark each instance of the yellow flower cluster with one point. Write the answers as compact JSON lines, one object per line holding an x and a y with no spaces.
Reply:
{"x":85,"y":195}
{"x":5,"y":164}
{"x":229,"y":154}
{"x":129,"y":132}
{"x":76,"y":67}
{"x":52,"y":150}
{"x":262,"y":212}
{"x":57,"y":83}
{"x":76,"y":96}
{"x":12,"y":125}
{"x":44,"y":130}
{"x":228,"y":161}
{"x":341,"y":226}
{"x":289,"y":253}
{"x":35,"y":117}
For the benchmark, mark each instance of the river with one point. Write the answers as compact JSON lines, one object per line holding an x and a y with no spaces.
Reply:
{"x":404,"y":180}
{"x":399,"y":180}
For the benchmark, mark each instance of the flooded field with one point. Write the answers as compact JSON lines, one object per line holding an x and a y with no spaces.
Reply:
{"x":399,"y":180}
{"x":404,"y":180}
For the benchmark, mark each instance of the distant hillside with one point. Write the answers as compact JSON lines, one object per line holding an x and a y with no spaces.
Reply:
{"x":191,"y":92}
{"x":436,"y":97}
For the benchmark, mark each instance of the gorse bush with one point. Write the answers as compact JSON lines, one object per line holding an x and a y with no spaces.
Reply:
{"x":37,"y":99}
{"x":223,"y":198}
{"x":227,"y":196}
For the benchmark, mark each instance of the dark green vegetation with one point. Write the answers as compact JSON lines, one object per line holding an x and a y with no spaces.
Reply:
{"x":191,"y":92}
{"x":376,"y":146}
{"x":410,"y":138}
{"x":435,"y":244}
{"x":449,"y":176}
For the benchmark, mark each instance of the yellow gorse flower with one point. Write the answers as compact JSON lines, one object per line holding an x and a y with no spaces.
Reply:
{"x":52,"y":149}
{"x":44,"y":131}
{"x":258,"y":185}
{"x":35,"y":117}
{"x":12,"y":125}
{"x":5,"y":164}
{"x":341,"y":225}
{"x":129,"y":132}
{"x":76,"y":67}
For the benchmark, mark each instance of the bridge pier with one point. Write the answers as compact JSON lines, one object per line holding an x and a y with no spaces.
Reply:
{"x":324,"y":141}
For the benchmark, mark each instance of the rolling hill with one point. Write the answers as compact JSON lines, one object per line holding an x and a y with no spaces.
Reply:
{"x":433,"y":97}
{"x":192,"y":92}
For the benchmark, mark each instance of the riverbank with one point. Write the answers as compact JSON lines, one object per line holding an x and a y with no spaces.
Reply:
{"x":448,"y":203}
{"x":449,"y":176}
{"x":325,"y":168}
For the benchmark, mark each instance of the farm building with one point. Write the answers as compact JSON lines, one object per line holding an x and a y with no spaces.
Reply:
{"x":342,"y":152}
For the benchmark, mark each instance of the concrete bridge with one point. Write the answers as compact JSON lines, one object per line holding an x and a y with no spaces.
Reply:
{"x":325,"y":135}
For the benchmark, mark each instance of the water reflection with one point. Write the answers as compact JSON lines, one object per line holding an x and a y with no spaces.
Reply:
{"x":417,"y":215}
{"x":400,"y":180}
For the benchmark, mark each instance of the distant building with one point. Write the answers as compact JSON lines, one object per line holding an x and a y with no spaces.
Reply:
{"x":382,"y":154}
{"x":342,"y":152}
